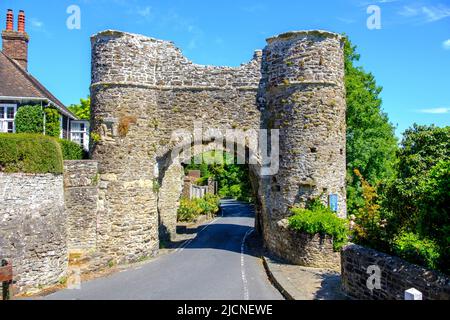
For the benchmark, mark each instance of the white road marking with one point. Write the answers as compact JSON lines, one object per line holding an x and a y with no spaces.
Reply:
{"x":184,"y":245}
{"x":244,"y":278}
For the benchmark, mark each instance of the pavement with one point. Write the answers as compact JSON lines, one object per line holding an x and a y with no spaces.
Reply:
{"x":215,"y":265}
{"x":302,"y":283}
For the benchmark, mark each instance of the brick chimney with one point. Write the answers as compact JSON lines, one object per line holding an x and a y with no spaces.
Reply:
{"x":15,"y":43}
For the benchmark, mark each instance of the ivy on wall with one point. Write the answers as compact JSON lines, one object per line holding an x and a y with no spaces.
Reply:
{"x":52,"y":124}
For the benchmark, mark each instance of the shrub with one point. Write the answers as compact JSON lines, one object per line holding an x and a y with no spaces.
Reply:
{"x":412,"y":248}
{"x":52,"y":125}
{"x":71,"y":150}
{"x":30,"y":153}
{"x":188,"y":211}
{"x":318,"y":219}
{"x":370,"y":228}
{"x":29,"y":119}
{"x":209,"y":204}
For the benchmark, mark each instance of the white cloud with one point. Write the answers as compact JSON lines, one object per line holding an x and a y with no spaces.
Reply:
{"x":35,"y":23}
{"x":435,"y":111}
{"x":144,"y":12}
{"x":446,"y":44}
{"x":426,"y":13}
{"x":436,"y":13}
{"x":408,"y":11}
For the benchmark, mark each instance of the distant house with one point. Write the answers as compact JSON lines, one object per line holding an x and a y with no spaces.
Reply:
{"x":19,"y":88}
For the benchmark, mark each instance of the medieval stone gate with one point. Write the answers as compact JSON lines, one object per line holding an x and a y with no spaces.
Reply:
{"x":143,"y":89}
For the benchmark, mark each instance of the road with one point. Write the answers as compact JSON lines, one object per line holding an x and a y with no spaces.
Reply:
{"x":216,"y":265}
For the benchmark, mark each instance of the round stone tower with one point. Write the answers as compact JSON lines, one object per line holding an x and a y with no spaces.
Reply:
{"x":303,"y":76}
{"x":123,"y":103}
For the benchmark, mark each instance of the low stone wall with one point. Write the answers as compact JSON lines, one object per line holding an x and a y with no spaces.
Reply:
{"x":81,"y":198}
{"x":397,"y":276}
{"x":33,"y":228}
{"x":303,"y":249}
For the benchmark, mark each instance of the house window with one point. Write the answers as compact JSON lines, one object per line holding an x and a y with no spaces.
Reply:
{"x":79,"y":133}
{"x":61,"y":127}
{"x":7,"y":114}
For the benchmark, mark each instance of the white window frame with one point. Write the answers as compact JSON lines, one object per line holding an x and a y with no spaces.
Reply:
{"x":4,"y":120}
{"x":84,"y":133}
{"x":61,"y":127}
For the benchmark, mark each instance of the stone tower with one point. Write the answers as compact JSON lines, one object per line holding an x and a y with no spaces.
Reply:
{"x":303,"y":79}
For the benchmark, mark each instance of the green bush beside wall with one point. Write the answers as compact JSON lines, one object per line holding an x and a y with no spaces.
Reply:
{"x":30,"y":153}
{"x":71,"y":150}
{"x":318,"y":219}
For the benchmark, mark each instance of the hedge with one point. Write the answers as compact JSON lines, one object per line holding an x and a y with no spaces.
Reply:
{"x":29,"y":119}
{"x":30,"y":153}
{"x":71,"y":150}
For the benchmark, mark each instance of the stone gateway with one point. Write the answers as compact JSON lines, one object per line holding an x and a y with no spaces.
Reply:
{"x":143,"y":89}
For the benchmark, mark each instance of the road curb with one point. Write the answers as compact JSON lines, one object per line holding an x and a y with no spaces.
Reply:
{"x":284,"y":292}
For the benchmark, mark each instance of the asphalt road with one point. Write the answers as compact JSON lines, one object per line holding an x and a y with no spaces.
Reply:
{"x":216,"y":265}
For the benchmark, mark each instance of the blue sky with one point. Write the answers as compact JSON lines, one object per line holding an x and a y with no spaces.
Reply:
{"x":409,"y":55}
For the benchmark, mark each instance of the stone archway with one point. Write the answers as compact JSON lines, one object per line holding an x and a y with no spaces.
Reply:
{"x":171,"y":175}
{"x":143,"y":89}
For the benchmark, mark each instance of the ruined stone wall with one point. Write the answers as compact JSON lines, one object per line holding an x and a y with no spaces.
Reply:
{"x":397,"y":276}
{"x":81,"y":200}
{"x":169,"y":201}
{"x":148,"y":84}
{"x":314,"y":251}
{"x":303,"y":80}
{"x":143,"y":89}
{"x":33,"y":228}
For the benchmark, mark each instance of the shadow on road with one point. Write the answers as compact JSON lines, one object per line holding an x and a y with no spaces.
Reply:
{"x":221,"y":235}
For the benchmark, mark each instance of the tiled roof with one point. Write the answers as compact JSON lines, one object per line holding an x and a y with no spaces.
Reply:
{"x":18,"y":83}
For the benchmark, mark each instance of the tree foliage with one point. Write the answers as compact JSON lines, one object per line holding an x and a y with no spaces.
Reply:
{"x":417,"y":200}
{"x":370,"y":227}
{"x":233,"y":179}
{"x":30,"y":119}
{"x":83,"y":109}
{"x":371,"y":142}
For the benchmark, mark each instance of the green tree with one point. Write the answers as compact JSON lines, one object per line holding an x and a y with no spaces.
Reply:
{"x":30,"y":119}
{"x":371,"y":142}
{"x":417,"y":200}
{"x":83,"y":109}
{"x":234,"y":181}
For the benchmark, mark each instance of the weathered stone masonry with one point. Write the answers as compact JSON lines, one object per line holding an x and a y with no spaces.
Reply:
{"x":81,"y":200}
{"x":33,"y":228}
{"x":397,"y":276}
{"x":303,"y":86}
{"x":143,"y":89}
